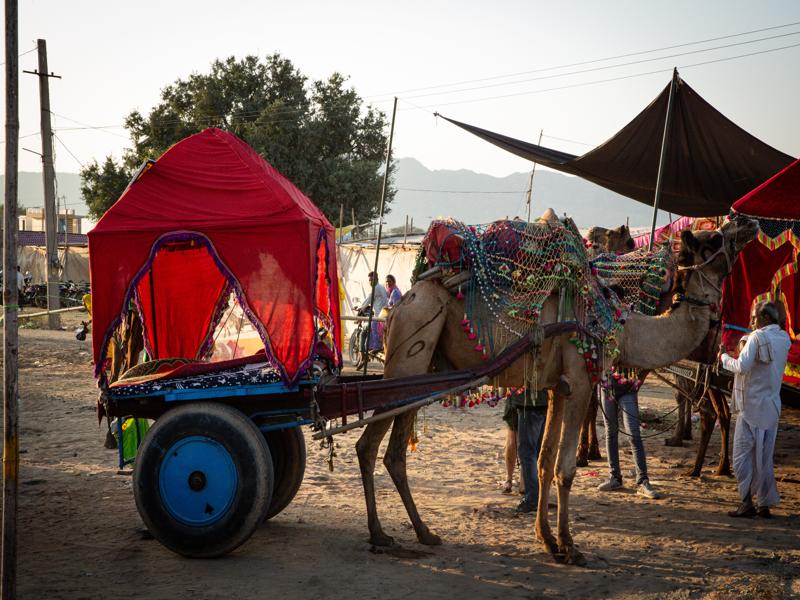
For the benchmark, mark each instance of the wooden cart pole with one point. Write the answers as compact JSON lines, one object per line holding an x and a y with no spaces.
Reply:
{"x":10,"y":301}
{"x":664,"y":143}
{"x":380,"y":228}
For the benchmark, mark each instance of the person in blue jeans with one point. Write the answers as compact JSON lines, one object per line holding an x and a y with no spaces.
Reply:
{"x":623,"y":397}
{"x":531,"y":417}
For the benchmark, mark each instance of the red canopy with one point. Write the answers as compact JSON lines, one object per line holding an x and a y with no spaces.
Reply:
{"x":767,"y":269}
{"x":208,"y":217}
{"x":777,"y":198}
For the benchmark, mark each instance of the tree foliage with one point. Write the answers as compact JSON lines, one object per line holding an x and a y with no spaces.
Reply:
{"x":319,"y":134}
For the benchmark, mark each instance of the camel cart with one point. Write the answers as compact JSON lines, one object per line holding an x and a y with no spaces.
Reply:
{"x":225,"y":454}
{"x":208,"y":224}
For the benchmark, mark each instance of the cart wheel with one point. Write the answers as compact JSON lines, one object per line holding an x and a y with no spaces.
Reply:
{"x":203,"y":479}
{"x":288,"y":450}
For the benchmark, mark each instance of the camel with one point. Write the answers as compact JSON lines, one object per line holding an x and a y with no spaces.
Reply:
{"x":428,"y":320}
{"x":601,"y":240}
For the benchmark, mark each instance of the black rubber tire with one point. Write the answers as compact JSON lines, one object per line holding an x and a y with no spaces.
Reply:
{"x":251,"y":457}
{"x":288,"y":450}
{"x":353,"y":350}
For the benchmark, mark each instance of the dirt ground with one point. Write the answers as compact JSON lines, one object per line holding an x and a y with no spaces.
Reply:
{"x":81,"y":537}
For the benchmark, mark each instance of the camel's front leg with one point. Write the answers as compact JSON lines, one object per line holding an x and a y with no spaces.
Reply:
{"x":395,"y":461}
{"x":707,"y":419}
{"x":367,"y":450}
{"x":574,"y":410}
{"x":724,"y":416}
{"x":547,"y":461}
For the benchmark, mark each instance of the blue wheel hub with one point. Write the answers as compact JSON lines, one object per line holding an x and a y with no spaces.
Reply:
{"x":197,"y":480}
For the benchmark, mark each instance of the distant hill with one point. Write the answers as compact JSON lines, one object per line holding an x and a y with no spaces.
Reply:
{"x":488,"y":198}
{"x":31,"y":190}
{"x":485,"y":200}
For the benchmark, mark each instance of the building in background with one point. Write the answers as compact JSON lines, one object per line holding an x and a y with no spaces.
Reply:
{"x":33,"y":220}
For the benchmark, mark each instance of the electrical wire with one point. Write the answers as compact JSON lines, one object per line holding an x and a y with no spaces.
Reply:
{"x":603,"y":68}
{"x":60,"y":141}
{"x":587,"y":62}
{"x":610,"y":79}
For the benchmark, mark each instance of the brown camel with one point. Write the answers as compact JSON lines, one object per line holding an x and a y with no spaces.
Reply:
{"x":428,"y":319}
{"x":601,"y":240}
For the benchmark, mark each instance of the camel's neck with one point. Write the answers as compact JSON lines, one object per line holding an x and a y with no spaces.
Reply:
{"x":654,"y":342}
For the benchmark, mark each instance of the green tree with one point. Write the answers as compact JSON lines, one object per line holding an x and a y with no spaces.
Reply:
{"x":319,"y":134}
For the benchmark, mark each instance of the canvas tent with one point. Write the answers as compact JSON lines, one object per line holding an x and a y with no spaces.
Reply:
{"x":710,"y":161}
{"x":211,"y":217}
{"x":357,"y":259}
{"x":767,"y":268}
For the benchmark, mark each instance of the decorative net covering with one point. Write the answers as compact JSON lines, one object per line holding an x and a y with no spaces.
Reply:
{"x":640,"y":274}
{"x":516,"y":266}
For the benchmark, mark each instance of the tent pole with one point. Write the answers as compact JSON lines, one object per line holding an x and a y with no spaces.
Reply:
{"x":380,"y":227}
{"x":670,"y":103}
{"x":341,"y":221}
{"x":530,"y":181}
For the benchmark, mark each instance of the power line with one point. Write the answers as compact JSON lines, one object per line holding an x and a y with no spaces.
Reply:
{"x":60,"y":141}
{"x":21,"y":55}
{"x":598,"y":81}
{"x":587,"y":62}
{"x":605,"y":67}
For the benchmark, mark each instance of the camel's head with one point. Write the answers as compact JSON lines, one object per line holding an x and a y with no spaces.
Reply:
{"x":714,"y":253}
{"x":611,"y":240}
{"x":619,"y":240}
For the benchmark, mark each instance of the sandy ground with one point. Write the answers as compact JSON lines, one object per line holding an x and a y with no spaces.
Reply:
{"x":81,"y":537}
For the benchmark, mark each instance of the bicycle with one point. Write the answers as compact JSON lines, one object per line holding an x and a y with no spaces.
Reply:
{"x":355,"y":350}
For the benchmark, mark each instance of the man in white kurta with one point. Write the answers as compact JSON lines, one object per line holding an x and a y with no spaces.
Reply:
{"x":756,"y":397}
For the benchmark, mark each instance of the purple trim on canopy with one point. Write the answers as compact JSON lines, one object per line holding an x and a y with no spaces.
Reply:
{"x":333,"y":291}
{"x":182,"y":236}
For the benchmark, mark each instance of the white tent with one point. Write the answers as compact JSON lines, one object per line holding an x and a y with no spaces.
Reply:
{"x":357,"y":259}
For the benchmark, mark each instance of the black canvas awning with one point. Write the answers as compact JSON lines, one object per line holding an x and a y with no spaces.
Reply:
{"x":711,"y":162}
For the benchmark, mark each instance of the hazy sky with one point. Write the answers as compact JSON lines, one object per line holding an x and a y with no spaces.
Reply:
{"x":116,"y":56}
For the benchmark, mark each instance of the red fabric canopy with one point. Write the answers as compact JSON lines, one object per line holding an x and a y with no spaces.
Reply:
{"x":209,"y":216}
{"x":776,"y":198}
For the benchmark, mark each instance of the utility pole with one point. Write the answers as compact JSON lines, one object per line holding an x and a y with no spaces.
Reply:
{"x":530,"y":181}
{"x":49,"y":176}
{"x":8,"y":587}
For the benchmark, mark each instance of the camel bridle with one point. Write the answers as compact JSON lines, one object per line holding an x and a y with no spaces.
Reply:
{"x":704,"y":278}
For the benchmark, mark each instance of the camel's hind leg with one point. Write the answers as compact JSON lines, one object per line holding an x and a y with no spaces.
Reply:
{"x":367,"y":450}
{"x":574,"y":410}
{"x":395,"y":461}
{"x":588,"y":446}
{"x":547,"y":461}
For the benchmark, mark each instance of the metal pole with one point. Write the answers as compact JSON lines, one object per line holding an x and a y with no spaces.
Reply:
{"x":530,"y":181}
{"x":405,"y":231}
{"x":380,"y":225}
{"x":8,"y":587}
{"x":670,"y":102}
{"x":341,"y":221}
{"x":49,"y":176}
